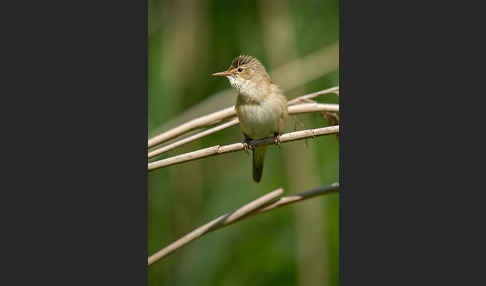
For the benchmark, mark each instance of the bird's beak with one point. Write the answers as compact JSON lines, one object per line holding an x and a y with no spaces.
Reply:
{"x":222,"y":74}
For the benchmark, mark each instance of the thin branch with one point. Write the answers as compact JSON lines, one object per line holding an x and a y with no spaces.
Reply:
{"x":193,"y":124}
{"x":261,"y":205}
{"x":192,"y":138}
{"x":333,"y":188}
{"x":312,"y":107}
{"x":222,"y":220}
{"x":213,"y":118}
{"x":315,"y":94}
{"x":294,"y":109}
{"x":218,"y":149}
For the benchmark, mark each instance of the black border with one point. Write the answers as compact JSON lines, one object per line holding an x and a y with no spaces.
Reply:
{"x":78,"y":173}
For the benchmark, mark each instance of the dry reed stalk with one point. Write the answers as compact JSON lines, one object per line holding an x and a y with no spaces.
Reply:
{"x":263,"y":204}
{"x":294,"y":109}
{"x":222,"y":220}
{"x":218,"y":149}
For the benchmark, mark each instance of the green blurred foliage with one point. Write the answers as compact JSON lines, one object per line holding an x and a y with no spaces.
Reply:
{"x":189,"y":40}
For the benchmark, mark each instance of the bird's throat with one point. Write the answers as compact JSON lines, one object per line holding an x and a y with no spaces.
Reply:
{"x":250,"y":92}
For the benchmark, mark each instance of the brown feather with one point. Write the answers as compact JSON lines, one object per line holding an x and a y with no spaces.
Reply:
{"x":242,"y":60}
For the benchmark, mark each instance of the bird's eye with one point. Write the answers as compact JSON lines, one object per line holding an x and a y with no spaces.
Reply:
{"x":240,"y":70}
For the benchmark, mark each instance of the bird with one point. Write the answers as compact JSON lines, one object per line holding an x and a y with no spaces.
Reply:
{"x":261,"y":106}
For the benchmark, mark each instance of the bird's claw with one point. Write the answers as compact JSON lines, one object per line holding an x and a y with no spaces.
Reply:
{"x":246,"y":144}
{"x":276,"y":139}
{"x":245,"y":148}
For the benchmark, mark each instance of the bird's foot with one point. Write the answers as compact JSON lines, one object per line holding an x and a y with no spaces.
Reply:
{"x":246,"y":144}
{"x":276,"y":139}
{"x":245,"y":148}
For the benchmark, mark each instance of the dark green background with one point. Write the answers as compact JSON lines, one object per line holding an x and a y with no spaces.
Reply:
{"x":293,"y":245}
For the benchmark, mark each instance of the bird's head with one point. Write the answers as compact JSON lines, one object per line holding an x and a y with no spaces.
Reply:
{"x":245,"y":71}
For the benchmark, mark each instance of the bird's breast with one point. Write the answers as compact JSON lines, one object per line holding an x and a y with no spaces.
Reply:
{"x":258,"y":120}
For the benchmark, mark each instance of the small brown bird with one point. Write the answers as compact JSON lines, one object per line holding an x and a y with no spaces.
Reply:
{"x":261,"y":106}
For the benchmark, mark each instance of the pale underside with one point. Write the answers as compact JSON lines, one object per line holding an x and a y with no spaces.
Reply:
{"x":262,"y":111}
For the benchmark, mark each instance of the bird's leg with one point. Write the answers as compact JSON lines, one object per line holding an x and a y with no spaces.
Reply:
{"x":246,"y":143}
{"x":276,"y":139}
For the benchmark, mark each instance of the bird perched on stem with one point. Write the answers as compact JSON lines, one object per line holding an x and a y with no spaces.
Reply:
{"x":261,"y":106}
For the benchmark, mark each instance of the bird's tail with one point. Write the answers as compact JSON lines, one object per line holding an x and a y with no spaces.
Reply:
{"x":258,"y":157}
